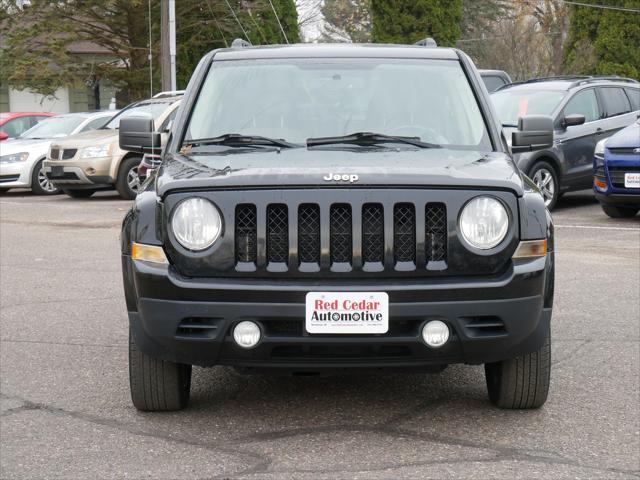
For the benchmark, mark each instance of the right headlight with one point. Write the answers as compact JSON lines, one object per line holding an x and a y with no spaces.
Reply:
{"x":599,"y":152}
{"x":196,"y":223}
{"x":97,"y":151}
{"x":14,"y":157}
{"x":484,"y":222}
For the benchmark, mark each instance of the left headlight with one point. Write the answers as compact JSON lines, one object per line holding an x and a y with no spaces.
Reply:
{"x":484,"y":222}
{"x":196,"y":223}
{"x":98,"y":151}
{"x":599,"y":152}
{"x":14,"y":157}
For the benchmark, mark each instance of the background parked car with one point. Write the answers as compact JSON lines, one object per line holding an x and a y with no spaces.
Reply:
{"x":494,"y":79}
{"x":21,"y":159}
{"x":585,"y":110}
{"x":616,"y":172}
{"x":85,"y":163}
{"x":14,"y":124}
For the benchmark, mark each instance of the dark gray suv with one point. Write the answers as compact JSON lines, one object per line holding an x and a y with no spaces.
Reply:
{"x":585,"y":110}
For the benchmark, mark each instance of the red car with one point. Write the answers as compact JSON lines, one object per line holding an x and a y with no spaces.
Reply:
{"x":13,"y":124}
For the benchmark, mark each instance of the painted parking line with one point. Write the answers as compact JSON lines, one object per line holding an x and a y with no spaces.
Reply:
{"x":594,"y":227}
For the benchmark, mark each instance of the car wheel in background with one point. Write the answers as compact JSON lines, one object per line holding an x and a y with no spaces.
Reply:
{"x":521,"y":382}
{"x":620,"y":212}
{"x":79,"y":193}
{"x":40,"y":184}
{"x":546,"y":178}
{"x":157,"y":385}
{"x":128,"y":182}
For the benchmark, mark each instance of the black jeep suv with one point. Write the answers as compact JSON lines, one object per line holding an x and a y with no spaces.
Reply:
{"x":322,"y":208}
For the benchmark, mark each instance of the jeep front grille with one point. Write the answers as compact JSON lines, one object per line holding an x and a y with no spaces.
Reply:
{"x":354,"y":238}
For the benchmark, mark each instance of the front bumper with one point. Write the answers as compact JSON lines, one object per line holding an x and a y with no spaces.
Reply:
{"x":15,"y":175}
{"x":619,"y":199}
{"x":93,"y":172}
{"x":191,"y":320}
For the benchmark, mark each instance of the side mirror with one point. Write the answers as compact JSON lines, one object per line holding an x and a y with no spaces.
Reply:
{"x":137,"y":134}
{"x":535,"y":132}
{"x":3,"y":136}
{"x":573,"y":120}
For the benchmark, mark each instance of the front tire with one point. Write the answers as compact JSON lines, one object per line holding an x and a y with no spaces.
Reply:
{"x":544,"y":175}
{"x":157,"y":385}
{"x":620,"y":212}
{"x":79,"y":193}
{"x":128,"y":182}
{"x":521,"y":382}
{"x":40,"y":184}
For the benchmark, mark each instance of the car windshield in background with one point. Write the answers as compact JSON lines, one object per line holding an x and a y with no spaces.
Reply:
{"x":151,"y":109}
{"x":298,"y":99}
{"x":511,"y":104}
{"x":54,"y":127}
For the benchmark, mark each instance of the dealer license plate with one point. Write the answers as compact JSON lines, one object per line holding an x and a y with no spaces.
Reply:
{"x":632,"y":180}
{"x":347,"y":312}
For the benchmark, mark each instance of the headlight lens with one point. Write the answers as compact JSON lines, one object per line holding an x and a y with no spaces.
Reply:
{"x":600,"y":148}
{"x":98,"y":151}
{"x":484,"y":222}
{"x":196,"y":223}
{"x":14,"y":157}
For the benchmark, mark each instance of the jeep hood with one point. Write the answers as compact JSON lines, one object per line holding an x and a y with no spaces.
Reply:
{"x":303,"y":167}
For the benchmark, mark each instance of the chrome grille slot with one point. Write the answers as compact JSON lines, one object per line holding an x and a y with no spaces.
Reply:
{"x":436,"y":232}
{"x":341,"y":234}
{"x":309,"y":233}
{"x":372,"y":233}
{"x":277,"y":234}
{"x":404,"y":233}
{"x":246,"y":234}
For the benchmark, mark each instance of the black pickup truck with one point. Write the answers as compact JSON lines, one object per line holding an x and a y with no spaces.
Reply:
{"x":331,"y":208}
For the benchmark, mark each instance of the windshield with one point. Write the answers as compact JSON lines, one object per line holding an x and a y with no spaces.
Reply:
{"x":298,"y":99}
{"x":55,"y":127}
{"x":151,"y":109}
{"x":513,"y":104}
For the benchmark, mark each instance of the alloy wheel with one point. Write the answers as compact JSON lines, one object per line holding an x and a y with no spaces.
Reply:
{"x":543,"y":178}
{"x":45,"y":183}
{"x":133,"y":181}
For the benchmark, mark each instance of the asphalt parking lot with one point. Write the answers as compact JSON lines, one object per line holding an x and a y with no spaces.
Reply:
{"x":66,"y":411}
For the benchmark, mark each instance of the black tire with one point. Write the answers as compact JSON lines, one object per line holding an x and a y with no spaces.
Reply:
{"x":123,"y":185}
{"x":539,"y":172}
{"x":40,"y":185}
{"x":620,"y":212}
{"x":157,"y":385}
{"x":521,"y":382}
{"x":79,"y":193}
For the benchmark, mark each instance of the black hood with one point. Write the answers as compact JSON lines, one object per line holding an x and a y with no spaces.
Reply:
{"x":301,"y":167}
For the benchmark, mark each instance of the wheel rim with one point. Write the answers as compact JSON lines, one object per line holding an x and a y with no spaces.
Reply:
{"x":44,"y":182}
{"x":543,"y":178}
{"x":133,"y":181}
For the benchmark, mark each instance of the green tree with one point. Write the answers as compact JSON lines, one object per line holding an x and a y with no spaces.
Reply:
{"x":603,"y":41}
{"x":37,"y":41}
{"x":407,"y":21}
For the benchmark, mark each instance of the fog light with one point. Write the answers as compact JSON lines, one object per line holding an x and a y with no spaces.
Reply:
{"x":435,"y":333}
{"x":246,"y":334}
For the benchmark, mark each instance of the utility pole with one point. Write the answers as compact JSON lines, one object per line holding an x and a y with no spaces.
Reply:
{"x":168,"y":44}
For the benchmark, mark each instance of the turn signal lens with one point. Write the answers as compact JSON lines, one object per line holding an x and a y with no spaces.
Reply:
{"x":600,"y":184}
{"x":531,"y":249}
{"x":148,"y":253}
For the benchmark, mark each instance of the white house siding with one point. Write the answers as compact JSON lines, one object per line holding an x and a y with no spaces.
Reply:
{"x":27,"y":101}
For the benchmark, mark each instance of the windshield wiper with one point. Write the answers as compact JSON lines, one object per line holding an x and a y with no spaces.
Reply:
{"x":236,"y":139}
{"x":368,"y":138}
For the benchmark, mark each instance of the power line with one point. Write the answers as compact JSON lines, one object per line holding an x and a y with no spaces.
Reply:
{"x":264,"y":39}
{"x":603,"y":7}
{"x":246,"y":35}
{"x":150,"y":56}
{"x":278,"y":19}
{"x":213,"y":16}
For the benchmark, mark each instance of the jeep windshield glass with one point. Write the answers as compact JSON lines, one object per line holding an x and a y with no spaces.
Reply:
{"x":297,"y":99}
{"x":511,"y":104}
{"x":149,"y":109}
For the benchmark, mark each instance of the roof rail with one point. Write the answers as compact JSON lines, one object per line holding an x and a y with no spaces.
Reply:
{"x":595,"y":78}
{"x":575,"y":80}
{"x":168,"y":93}
{"x":240,"y":43}
{"x":426,"y":42}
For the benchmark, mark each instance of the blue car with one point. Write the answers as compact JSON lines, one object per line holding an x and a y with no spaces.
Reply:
{"x":616,"y":172}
